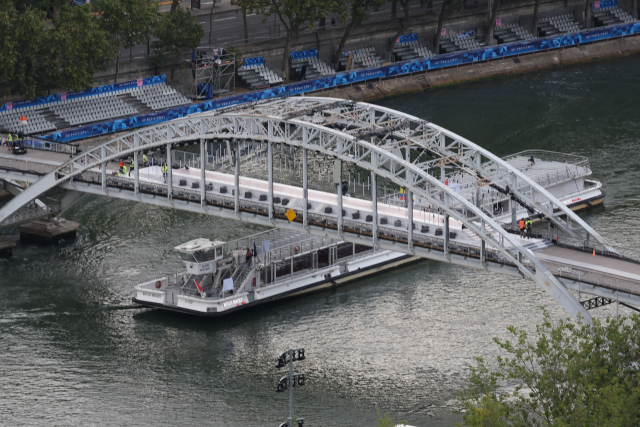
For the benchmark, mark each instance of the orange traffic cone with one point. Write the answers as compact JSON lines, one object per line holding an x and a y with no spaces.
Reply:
{"x":594,"y":252}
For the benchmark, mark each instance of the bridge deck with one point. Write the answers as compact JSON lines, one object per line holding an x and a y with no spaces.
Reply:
{"x":605,"y":271}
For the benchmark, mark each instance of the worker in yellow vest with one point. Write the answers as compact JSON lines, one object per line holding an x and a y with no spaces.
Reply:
{"x":145,"y":161}
{"x":164,"y":172}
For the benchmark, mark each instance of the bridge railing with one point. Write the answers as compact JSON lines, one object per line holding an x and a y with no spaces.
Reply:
{"x":613,"y":282}
{"x":331,"y":221}
{"x":23,"y":165}
{"x":552,"y":156}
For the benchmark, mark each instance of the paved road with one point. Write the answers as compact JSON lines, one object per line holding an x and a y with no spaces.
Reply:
{"x":228,"y":26}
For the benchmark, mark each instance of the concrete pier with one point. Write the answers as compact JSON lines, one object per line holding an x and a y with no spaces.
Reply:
{"x":50,"y":231}
{"x":6,"y":247}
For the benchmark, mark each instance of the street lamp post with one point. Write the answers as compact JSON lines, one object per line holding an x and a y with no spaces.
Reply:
{"x":291,"y":380}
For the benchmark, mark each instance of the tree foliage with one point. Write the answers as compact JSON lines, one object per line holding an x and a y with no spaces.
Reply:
{"x":38,"y":57}
{"x":570,"y":375}
{"x":178,"y":34}
{"x":127,"y":22}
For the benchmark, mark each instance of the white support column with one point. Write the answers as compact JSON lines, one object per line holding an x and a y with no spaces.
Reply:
{"x":338,"y":179}
{"x":410,"y":219}
{"x":482,"y":244}
{"x":514,"y":219}
{"x":136,"y":174}
{"x":103,"y":154}
{"x":446,"y":226}
{"x":374,"y":206}
{"x":236,"y":179}
{"x":203,"y":163}
{"x":270,"y":173}
{"x":169,"y":174}
{"x":305,"y":190}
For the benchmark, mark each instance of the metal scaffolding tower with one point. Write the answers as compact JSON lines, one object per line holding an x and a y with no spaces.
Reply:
{"x":214,"y":70}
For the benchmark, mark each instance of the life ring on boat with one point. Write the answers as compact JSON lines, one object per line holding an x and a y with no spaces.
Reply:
{"x":158,"y":284}
{"x":296,"y":249}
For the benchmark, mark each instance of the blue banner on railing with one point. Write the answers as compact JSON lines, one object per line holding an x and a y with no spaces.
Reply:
{"x":43,"y":100}
{"x":405,"y":38}
{"x":301,"y":54}
{"x":258,"y":60}
{"x":396,"y":69}
{"x":603,"y":4}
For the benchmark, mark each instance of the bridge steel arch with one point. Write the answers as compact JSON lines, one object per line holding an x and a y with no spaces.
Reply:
{"x":427,"y":135}
{"x":318,"y":138}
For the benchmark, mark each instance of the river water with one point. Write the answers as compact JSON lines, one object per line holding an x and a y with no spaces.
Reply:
{"x":400,"y":342}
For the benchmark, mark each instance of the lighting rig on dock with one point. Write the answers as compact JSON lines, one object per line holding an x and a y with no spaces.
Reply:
{"x":291,"y":380}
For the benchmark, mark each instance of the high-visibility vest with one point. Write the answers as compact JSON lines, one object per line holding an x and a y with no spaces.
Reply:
{"x":521,"y":224}
{"x":144,"y":158}
{"x":528,"y":223}
{"x":164,"y":169}
{"x":124,"y":169}
{"x":10,"y":138}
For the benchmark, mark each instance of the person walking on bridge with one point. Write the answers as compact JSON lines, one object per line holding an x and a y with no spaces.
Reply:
{"x":521,"y":224}
{"x":145,"y":161}
{"x":164,"y":172}
{"x":10,"y":141}
{"x":529,"y":225}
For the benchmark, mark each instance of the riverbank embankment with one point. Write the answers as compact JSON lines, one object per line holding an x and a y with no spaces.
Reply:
{"x":417,"y":82}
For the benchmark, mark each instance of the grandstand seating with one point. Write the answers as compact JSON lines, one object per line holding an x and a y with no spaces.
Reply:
{"x":460,"y":40}
{"x":10,"y":121}
{"x":159,"y":96}
{"x":611,"y":16}
{"x":91,"y":109}
{"x":315,"y":68}
{"x":96,"y":107}
{"x":362,"y":58}
{"x":558,"y":25}
{"x":511,"y":33}
{"x":411,"y":50}
{"x":258,"y":76}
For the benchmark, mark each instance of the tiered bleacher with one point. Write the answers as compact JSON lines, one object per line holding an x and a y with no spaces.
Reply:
{"x":558,"y":25}
{"x":308,"y":66}
{"x":159,"y":97}
{"x":460,"y":40}
{"x":511,"y":33}
{"x":255,"y":75}
{"x":64,"y":110}
{"x":10,"y":122}
{"x":408,"y":47}
{"x":610,"y":16}
{"x":362,"y":58}
{"x":103,"y":106}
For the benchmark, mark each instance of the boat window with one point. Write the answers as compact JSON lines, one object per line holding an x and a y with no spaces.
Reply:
{"x":187,"y":257}
{"x":201,"y":256}
{"x":219,"y":252}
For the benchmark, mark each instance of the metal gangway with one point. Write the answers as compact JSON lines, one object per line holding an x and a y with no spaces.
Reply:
{"x":386,"y":144}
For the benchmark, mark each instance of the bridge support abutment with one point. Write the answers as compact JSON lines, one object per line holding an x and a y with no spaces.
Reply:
{"x":50,"y":231}
{"x":6,"y":248}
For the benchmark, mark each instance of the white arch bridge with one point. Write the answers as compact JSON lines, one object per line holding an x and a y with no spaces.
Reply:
{"x":467,"y":199}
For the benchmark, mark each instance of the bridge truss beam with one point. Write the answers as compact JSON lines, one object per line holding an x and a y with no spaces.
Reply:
{"x":381,"y":160}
